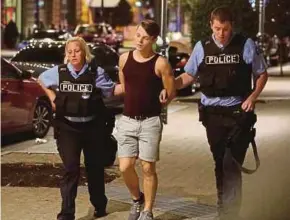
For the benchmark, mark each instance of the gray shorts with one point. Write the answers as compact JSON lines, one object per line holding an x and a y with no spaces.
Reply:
{"x":138,"y":138}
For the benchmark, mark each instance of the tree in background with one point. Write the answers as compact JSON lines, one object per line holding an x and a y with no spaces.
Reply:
{"x":246,"y":20}
{"x":123,"y":14}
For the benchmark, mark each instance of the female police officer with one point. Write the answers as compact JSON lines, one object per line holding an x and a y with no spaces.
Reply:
{"x":80,"y":123}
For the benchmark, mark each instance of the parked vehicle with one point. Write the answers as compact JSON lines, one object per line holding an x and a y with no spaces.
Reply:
{"x":24,"y":105}
{"x":40,"y":56}
{"x":100,"y":32}
{"x":45,"y":35}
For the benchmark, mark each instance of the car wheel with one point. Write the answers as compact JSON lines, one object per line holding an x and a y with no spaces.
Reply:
{"x":41,"y":119}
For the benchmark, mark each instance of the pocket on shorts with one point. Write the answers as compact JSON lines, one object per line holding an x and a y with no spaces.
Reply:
{"x":158,"y":123}
{"x":125,"y":127}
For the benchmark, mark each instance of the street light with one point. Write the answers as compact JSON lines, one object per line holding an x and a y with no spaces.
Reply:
{"x":163,"y":30}
{"x":261,"y":18}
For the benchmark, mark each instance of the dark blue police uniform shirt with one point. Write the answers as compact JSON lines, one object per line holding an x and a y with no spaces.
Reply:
{"x":51,"y":78}
{"x":250,"y":56}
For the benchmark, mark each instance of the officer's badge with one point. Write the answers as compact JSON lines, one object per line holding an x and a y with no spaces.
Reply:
{"x":86,"y":95}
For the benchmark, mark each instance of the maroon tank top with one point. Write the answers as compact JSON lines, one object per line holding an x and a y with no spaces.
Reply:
{"x":142,"y":88}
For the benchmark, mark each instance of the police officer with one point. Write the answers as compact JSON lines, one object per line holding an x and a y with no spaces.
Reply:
{"x":224,"y":65}
{"x":79,"y":123}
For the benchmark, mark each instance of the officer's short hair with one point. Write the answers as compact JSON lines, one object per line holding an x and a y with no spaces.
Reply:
{"x":151,"y":27}
{"x":222,"y":14}
{"x":84,"y":47}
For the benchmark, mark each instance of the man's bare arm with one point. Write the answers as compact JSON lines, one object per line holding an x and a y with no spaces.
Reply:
{"x":121,"y":87}
{"x":184,"y":80}
{"x":166,"y":73}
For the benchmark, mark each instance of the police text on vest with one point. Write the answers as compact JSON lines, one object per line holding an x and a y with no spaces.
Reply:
{"x":71,"y":87}
{"x":223,"y":59}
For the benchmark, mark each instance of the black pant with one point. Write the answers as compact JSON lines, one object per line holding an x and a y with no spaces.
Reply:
{"x":228,"y":175}
{"x":72,"y":139}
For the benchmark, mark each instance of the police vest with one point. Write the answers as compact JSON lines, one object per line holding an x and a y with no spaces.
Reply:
{"x":78,"y":97}
{"x":223,"y":72}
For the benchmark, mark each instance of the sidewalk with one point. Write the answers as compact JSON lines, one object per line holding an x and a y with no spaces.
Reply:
{"x":186,"y":179}
{"x":172,"y":202}
{"x":279,"y":71}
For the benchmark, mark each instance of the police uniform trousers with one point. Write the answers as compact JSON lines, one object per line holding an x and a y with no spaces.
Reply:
{"x":219,"y":122}
{"x":72,"y":138}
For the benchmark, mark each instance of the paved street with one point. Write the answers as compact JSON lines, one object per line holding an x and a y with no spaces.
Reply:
{"x":186,"y":179}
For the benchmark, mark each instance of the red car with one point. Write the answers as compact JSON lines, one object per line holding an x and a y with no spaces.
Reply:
{"x":24,"y":105}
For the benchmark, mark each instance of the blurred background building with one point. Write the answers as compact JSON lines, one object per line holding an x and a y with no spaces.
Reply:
{"x":66,"y":14}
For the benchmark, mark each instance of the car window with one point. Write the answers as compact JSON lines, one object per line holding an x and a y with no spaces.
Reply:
{"x":40,"y":55}
{"x":8,"y":71}
{"x":111,"y":58}
{"x":95,"y":29}
{"x":45,"y":34}
{"x":99,"y":55}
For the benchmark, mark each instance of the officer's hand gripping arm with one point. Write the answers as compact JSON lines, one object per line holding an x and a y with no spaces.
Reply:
{"x":50,"y":94}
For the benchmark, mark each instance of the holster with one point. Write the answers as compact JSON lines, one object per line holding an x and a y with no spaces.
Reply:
{"x":56,"y":126}
{"x":245,"y":122}
{"x":201,"y":112}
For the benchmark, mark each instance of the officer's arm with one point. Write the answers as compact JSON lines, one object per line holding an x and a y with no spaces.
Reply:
{"x":49,"y":92}
{"x":47,"y":79}
{"x":259,"y":68}
{"x":260,"y":83}
{"x":184,"y":80}
{"x":191,"y":67}
{"x":164,"y":69}
{"x":253,"y":55}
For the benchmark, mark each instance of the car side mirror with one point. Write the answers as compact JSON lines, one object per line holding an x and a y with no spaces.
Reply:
{"x":26,"y":74}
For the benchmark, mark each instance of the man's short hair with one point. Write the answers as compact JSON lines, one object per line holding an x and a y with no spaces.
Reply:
{"x":222,"y":14}
{"x":151,"y":27}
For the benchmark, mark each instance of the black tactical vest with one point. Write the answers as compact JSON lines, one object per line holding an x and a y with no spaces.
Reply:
{"x":78,"y":97}
{"x":223,"y":72}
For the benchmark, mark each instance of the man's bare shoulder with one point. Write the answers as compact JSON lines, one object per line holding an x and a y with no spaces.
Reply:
{"x":122,"y":59}
{"x":124,"y":56}
{"x":161,"y":62}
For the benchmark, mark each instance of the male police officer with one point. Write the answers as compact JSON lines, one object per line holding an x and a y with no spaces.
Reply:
{"x":224,"y":64}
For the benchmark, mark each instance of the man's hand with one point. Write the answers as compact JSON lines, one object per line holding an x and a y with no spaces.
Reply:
{"x":163,"y":97}
{"x":249,"y":104}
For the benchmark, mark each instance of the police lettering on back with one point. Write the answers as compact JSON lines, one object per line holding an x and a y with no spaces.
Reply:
{"x":71,"y":87}
{"x":223,"y":59}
